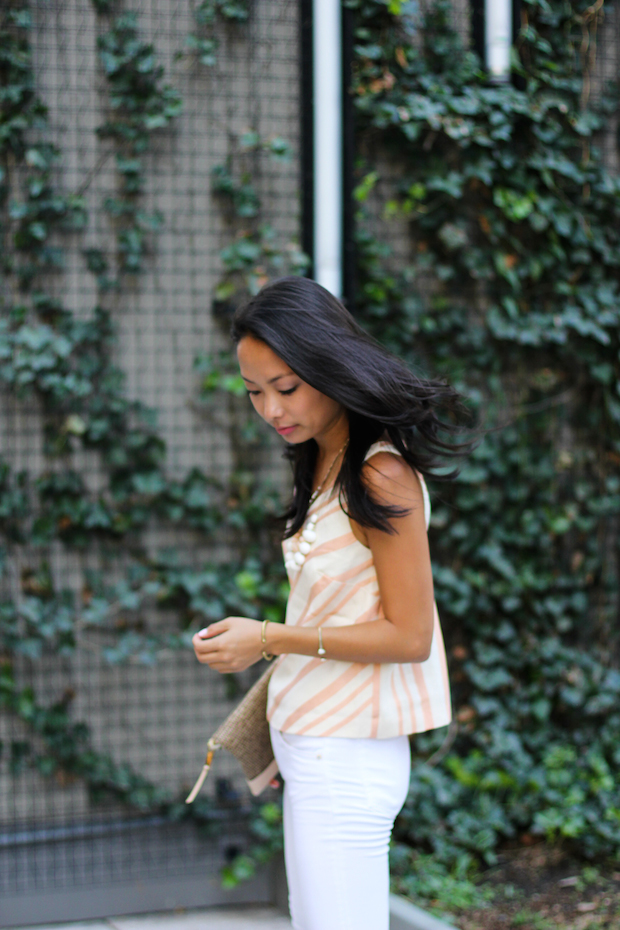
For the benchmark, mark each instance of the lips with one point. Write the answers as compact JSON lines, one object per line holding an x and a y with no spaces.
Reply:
{"x":285,"y":430}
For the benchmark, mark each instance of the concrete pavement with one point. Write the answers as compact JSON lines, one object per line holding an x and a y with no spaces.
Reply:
{"x":229,"y":918}
{"x":403,"y":916}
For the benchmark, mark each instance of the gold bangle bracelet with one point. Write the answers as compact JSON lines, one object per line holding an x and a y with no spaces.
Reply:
{"x":263,"y":638}
{"x":321,"y":651}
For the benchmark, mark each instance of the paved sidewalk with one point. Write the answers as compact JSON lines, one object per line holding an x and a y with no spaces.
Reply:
{"x":219,"y":918}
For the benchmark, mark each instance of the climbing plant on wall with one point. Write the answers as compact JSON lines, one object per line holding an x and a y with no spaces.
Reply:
{"x":63,"y":364}
{"x":511,"y":290}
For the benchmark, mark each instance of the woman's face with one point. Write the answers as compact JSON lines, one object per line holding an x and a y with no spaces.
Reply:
{"x":296,"y":410}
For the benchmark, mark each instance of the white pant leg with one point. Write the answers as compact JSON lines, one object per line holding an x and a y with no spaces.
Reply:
{"x":340,"y":800}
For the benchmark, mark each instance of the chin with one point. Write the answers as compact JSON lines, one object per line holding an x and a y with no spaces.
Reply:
{"x":295,"y":440}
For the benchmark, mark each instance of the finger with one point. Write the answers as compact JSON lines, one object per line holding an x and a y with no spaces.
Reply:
{"x":204,"y":639}
{"x":214,"y":629}
{"x":225,"y":663}
{"x":207,"y":652}
{"x":206,"y":646}
{"x":199,"y":650}
{"x":207,"y":660}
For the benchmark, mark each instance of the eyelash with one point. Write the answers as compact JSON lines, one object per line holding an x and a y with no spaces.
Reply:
{"x":290,"y":391}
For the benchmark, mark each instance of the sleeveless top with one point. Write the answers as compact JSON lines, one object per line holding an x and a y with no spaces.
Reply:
{"x":337,"y":586}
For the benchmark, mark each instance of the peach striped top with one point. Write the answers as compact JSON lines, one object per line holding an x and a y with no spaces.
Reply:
{"x":337,"y":586}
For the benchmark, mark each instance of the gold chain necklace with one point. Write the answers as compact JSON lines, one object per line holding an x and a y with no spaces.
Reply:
{"x":295,"y":558}
{"x":316,"y":493}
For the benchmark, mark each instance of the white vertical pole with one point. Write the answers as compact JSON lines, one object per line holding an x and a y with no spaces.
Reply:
{"x":327,"y":68}
{"x":498,"y":38}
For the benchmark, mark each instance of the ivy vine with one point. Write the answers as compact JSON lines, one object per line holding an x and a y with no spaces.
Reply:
{"x":65,"y":363}
{"x":254,"y":255}
{"x":139,"y":106}
{"x":511,"y":291}
{"x":203,"y":43}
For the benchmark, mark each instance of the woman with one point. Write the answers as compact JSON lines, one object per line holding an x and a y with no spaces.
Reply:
{"x":361,"y":662}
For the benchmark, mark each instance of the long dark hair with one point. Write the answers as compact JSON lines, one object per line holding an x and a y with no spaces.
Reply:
{"x":319,"y":340}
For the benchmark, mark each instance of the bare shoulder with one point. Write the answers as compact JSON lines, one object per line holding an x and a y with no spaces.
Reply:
{"x":390,"y":479}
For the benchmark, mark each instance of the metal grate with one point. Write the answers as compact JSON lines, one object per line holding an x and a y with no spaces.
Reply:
{"x":155,"y":718}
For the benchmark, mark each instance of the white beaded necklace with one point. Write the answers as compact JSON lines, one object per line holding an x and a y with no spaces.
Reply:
{"x":294,"y":559}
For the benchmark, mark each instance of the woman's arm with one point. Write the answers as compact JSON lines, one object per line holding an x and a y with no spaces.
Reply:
{"x":403,"y":567}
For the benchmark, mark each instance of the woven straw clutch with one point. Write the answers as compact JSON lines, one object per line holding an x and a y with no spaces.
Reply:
{"x":245,"y":733}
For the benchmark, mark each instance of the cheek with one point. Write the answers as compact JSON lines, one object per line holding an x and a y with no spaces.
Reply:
{"x":307,"y":409}
{"x":255,"y":401}
{"x":316,"y":409}
{"x":327,"y":408}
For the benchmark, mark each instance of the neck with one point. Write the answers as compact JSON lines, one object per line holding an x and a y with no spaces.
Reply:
{"x":333,"y":438}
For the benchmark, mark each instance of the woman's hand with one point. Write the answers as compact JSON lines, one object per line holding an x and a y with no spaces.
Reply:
{"x":230,"y":645}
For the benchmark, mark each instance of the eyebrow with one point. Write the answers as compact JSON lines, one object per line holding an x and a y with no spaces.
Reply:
{"x":271,"y":380}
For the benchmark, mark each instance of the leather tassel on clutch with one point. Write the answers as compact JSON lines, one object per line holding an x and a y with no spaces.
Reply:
{"x":211,"y":747}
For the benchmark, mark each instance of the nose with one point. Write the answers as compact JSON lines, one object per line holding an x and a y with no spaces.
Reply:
{"x":273,"y":407}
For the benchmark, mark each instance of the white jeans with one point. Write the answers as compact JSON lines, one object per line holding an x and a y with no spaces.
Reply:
{"x":340,"y":800}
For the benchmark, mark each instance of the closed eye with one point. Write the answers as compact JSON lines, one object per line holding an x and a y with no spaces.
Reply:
{"x":289,"y":391}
